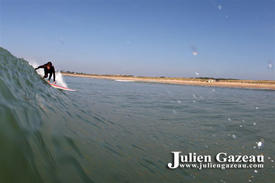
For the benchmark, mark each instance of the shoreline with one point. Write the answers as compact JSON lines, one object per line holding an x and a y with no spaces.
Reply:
{"x":250,"y":84}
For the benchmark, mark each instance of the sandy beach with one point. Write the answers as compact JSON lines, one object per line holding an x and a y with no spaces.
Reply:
{"x":252,"y":84}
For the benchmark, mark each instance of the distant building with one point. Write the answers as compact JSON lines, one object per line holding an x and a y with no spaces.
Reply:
{"x":211,"y":81}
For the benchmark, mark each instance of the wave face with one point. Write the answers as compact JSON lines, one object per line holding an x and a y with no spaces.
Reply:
{"x":20,"y":91}
{"x":31,"y":116}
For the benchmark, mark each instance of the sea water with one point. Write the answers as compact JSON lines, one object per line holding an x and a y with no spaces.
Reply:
{"x":111,"y":131}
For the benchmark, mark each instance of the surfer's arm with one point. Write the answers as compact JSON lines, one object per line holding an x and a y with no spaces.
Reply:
{"x":52,"y":73}
{"x":41,"y":66}
{"x":50,"y":76}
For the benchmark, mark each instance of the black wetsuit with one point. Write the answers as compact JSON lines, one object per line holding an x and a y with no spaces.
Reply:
{"x":48,"y":71}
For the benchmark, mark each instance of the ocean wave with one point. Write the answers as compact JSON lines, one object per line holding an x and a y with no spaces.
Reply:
{"x":32,"y":115}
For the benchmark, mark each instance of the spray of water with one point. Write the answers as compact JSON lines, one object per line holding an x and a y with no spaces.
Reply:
{"x":59,"y":79}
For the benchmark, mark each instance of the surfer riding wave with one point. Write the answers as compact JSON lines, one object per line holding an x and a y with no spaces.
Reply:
{"x":48,"y":69}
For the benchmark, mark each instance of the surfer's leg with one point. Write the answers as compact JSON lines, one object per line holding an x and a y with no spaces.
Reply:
{"x":46,"y":75}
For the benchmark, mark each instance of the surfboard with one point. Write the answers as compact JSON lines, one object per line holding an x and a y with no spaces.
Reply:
{"x":60,"y":87}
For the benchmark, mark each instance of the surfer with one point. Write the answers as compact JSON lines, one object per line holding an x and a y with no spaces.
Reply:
{"x":48,"y":69}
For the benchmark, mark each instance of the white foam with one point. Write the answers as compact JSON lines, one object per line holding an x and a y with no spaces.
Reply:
{"x":122,"y":80}
{"x":59,"y":79}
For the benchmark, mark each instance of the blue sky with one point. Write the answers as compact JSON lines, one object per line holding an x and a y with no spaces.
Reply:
{"x":189,"y":38}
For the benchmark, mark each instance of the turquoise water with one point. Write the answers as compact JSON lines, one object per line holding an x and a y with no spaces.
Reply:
{"x":110,"y":131}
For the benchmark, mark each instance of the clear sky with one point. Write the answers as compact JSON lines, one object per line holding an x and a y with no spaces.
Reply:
{"x":189,"y":38}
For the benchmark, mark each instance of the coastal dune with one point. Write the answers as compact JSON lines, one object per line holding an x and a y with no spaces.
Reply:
{"x":252,"y":84}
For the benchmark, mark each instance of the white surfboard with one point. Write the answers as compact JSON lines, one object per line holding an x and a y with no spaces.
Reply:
{"x":60,"y":87}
